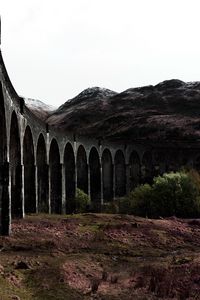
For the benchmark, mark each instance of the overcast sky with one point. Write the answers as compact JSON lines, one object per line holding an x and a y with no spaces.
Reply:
{"x":55,"y":49}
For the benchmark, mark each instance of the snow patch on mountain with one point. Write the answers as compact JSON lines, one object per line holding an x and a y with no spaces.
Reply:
{"x":34,"y":104}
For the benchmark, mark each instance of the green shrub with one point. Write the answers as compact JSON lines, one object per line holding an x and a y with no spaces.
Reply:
{"x":82,"y":201}
{"x":175,"y":194}
{"x":140,"y":200}
{"x":195,"y":176}
{"x":171,"y":194}
{"x":110,"y":207}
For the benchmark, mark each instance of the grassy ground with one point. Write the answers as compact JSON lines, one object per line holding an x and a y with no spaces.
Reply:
{"x":99,"y":256}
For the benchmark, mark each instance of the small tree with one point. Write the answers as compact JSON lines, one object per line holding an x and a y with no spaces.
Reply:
{"x":140,"y":200}
{"x":82,"y":201}
{"x":171,"y":194}
{"x":166,"y":190}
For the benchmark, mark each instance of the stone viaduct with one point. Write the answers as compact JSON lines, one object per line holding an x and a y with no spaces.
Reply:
{"x":40,"y":167}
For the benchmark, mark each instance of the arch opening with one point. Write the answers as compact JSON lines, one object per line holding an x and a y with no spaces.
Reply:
{"x":107,"y":172}
{"x":69,"y":162}
{"x":120,"y":174}
{"x":147,"y":168}
{"x":42,"y":176}
{"x":173,"y":160}
{"x":55,"y":178}
{"x":29,"y":172}
{"x":15,"y":169}
{"x":160,"y":162}
{"x":82,"y":170}
{"x":95,"y":176}
{"x":135,"y":170}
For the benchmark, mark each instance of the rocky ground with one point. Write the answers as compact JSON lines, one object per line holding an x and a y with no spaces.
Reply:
{"x":100,"y":256}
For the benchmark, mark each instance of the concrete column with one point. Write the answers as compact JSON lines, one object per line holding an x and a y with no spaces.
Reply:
{"x":5,"y":199}
{"x":8,"y":188}
{"x":101,"y":176}
{"x":75,"y":171}
{"x":63,"y":209}
{"x":114,"y":183}
{"x":89,"y":193}
{"x":48,"y":183}
{"x":75,"y":177}
{"x":127,"y":178}
{"x":49,"y":196}
{"x":22,"y":192}
{"x":36,"y":189}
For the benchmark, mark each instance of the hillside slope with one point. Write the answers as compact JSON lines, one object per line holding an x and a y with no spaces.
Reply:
{"x":169,"y":110}
{"x":39,"y":108}
{"x":100,"y":256}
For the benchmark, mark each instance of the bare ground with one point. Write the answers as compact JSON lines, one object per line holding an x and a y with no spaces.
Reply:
{"x":100,"y":256}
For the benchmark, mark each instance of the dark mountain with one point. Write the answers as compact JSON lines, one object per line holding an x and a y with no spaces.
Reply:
{"x":169,"y":110}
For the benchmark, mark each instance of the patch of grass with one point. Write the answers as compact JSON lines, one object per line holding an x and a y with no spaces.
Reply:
{"x":8,"y":290}
{"x":47,"y":283}
{"x":93,"y":228}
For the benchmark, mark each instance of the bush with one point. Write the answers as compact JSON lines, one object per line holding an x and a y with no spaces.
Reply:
{"x":136,"y":202}
{"x":110,"y":207}
{"x":82,"y":201}
{"x":176,"y":194}
{"x":171,"y":194}
{"x":140,"y":200}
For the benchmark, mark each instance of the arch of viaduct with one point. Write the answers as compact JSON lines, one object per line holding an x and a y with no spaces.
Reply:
{"x":41,"y":167}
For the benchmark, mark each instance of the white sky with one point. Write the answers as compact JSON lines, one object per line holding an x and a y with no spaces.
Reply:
{"x":55,"y":49}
